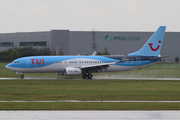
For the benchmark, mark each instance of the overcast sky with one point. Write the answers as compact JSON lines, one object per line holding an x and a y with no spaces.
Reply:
{"x":88,"y":15}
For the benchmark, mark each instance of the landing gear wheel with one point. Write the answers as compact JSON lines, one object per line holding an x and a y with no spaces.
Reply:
{"x":90,"y":76}
{"x":22,"y":76}
{"x":84,"y":76}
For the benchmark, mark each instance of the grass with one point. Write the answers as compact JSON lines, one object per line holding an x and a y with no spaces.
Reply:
{"x":93,"y":90}
{"x":89,"y":90}
{"x":89,"y":106}
{"x":154,"y":71}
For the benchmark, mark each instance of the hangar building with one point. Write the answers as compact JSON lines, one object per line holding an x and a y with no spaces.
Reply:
{"x":86,"y":42}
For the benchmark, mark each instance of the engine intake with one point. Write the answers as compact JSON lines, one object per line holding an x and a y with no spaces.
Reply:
{"x":70,"y":71}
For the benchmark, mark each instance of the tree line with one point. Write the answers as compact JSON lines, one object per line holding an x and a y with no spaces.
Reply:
{"x":12,"y":54}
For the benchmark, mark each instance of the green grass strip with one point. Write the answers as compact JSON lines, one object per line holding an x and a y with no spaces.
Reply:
{"x":89,"y":106}
{"x":149,"y":90}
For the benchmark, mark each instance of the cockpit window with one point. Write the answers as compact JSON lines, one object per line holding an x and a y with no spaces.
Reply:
{"x":15,"y":62}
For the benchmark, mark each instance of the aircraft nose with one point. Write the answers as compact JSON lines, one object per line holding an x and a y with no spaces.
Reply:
{"x":7,"y":66}
{"x":10,"y":67}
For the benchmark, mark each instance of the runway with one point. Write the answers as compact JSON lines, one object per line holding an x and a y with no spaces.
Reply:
{"x":94,"y":78}
{"x":90,"y":115}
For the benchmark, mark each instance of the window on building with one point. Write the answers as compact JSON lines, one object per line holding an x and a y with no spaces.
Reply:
{"x":33,"y":43}
{"x":6,"y":44}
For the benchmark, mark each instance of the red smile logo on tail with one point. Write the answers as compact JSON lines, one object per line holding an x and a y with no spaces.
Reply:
{"x":154,"y":49}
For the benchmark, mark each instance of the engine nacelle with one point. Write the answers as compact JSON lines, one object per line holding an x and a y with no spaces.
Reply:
{"x":70,"y":71}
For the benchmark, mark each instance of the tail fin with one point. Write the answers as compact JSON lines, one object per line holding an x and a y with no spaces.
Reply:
{"x":153,"y":46}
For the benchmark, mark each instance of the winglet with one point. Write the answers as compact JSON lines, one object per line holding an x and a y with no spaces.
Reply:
{"x":94,"y":53}
{"x":124,"y":58}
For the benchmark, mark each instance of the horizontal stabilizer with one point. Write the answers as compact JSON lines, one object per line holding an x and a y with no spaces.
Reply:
{"x":156,"y":58}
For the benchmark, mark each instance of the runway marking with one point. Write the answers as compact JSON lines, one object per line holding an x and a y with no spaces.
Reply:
{"x":89,"y":101}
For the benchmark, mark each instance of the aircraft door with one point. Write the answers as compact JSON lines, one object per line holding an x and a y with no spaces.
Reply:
{"x":138,"y":61}
{"x":78,"y":63}
{"x":27,"y":62}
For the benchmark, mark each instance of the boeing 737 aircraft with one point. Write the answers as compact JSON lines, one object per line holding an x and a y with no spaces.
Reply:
{"x":85,"y":65}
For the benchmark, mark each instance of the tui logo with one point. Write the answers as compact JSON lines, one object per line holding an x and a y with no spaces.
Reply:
{"x":154,"y":49}
{"x":37,"y":61}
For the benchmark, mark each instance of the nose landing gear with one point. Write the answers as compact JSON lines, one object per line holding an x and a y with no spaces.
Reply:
{"x":20,"y":73}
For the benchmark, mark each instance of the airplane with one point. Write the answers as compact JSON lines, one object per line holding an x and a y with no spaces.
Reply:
{"x":86,"y":65}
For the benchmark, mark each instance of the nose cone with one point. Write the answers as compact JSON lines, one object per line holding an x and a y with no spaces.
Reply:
{"x":11,"y":67}
{"x":8,"y":66}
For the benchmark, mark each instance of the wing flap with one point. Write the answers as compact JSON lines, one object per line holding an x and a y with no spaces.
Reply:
{"x":97,"y":67}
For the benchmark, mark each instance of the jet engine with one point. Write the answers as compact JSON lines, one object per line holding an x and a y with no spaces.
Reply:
{"x":70,"y":71}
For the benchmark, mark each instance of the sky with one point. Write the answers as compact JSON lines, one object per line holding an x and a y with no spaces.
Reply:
{"x":89,"y":15}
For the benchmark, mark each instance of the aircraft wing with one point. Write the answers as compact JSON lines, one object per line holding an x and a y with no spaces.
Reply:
{"x":99,"y":67}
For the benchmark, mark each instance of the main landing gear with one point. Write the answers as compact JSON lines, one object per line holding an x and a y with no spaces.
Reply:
{"x":22,"y":76}
{"x":88,"y":76}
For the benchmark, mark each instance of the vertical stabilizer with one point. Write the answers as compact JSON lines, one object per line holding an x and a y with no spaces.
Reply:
{"x":153,"y":46}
